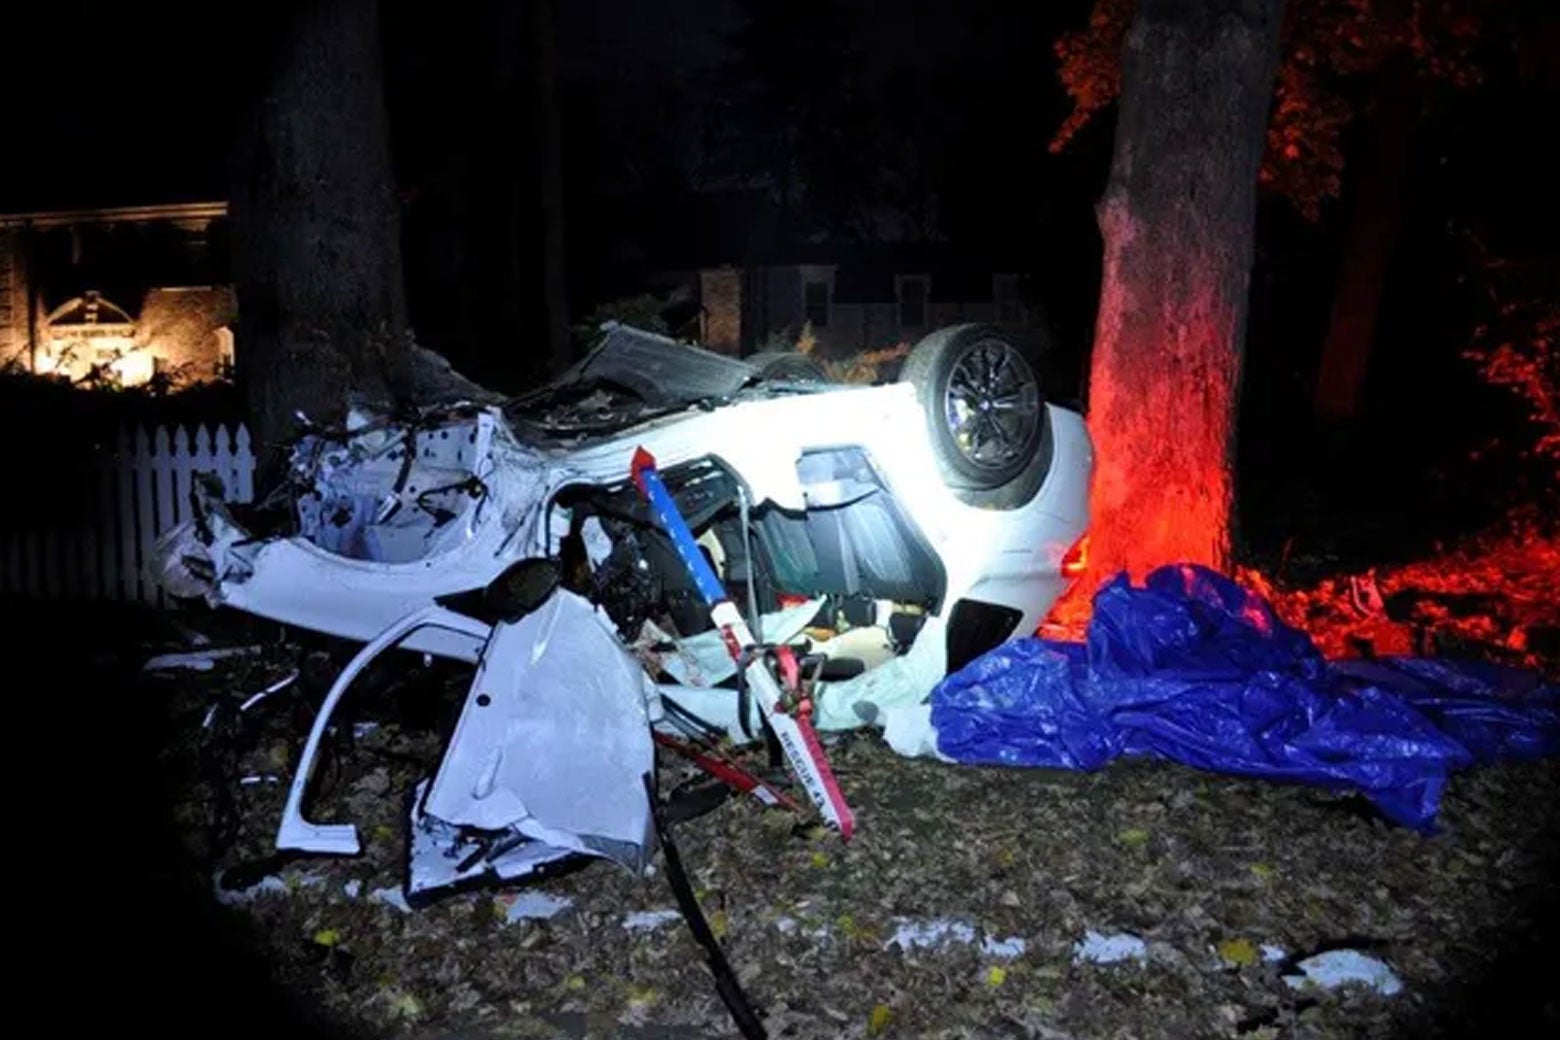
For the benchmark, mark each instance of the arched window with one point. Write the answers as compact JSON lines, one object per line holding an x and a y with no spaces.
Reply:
{"x":89,"y":337}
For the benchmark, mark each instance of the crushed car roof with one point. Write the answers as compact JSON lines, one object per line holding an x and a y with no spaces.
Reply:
{"x":632,"y":376}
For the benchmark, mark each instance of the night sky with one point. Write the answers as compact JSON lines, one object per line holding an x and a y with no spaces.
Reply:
{"x":156,"y":84}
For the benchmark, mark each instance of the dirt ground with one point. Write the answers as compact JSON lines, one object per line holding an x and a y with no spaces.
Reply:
{"x":1011,"y":868}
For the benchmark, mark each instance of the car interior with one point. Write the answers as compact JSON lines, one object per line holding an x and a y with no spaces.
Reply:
{"x":852,"y":549}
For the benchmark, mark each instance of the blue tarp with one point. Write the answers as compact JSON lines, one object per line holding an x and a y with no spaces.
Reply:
{"x":1195,"y":669}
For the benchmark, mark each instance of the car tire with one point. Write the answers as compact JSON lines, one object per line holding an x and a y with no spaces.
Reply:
{"x":787,"y":366}
{"x":985,"y":411}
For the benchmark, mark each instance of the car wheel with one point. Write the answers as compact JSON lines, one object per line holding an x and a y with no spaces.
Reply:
{"x":984,"y":411}
{"x":785,"y":366}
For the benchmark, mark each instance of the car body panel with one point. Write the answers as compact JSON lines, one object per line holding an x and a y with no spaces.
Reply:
{"x":569,"y":770}
{"x":1011,"y":557}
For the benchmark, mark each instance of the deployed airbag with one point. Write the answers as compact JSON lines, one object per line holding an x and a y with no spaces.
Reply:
{"x":1195,"y":669}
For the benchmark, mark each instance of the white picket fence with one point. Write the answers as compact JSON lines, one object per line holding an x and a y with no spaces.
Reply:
{"x":143,"y":489}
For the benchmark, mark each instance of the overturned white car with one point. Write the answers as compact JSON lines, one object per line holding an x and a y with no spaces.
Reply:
{"x":880,"y":535}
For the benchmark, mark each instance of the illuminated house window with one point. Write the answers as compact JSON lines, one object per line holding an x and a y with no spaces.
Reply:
{"x":89,"y":338}
{"x":912,"y":290}
{"x":173,"y":338}
{"x":224,"y":338}
{"x":815,"y":301}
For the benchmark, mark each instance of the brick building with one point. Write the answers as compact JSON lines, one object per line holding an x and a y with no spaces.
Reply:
{"x":118,"y":295}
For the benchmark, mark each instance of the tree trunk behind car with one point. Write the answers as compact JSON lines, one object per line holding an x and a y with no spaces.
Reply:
{"x":1177,"y":222}
{"x":1375,"y":217}
{"x":322,"y":310}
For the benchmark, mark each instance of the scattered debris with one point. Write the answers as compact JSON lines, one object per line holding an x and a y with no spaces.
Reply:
{"x":531,"y":905}
{"x":391,"y":896}
{"x":910,"y":934}
{"x":913,"y":935}
{"x":1335,"y":968}
{"x":198,"y":660}
{"x":276,"y":687}
{"x":1109,"y":949}
{"x":647,"y":920}
{"x":1003,"y":949}
{"x":271,"y":884}
{"x":788,"y":925}
{"x":1366,"y":595}
{"x":598,"y":544}
{"x":908,"y":729}
{"x":238,"y":896}
{"x":193,"y":636}
{"x":1050,"y":840}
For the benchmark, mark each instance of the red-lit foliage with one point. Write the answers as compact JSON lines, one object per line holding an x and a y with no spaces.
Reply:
{"x":1516,"y":345}
{"x":1326,"y":43}
{"x":1493,"y":596}
{"x":1089,"y":65}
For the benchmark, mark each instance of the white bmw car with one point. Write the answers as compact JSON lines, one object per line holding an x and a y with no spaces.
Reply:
{"x":889,"y":532}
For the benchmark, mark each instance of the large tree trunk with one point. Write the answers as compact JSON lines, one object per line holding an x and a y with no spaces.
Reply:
{"x":1177,"y":220}
{"x":544,"y":37}
{"x":317,"y":238}
{"x":1375,"y":218}
{"x":317,"y":232}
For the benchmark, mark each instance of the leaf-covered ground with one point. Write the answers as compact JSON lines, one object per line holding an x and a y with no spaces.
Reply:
{"x":1011,"y":868}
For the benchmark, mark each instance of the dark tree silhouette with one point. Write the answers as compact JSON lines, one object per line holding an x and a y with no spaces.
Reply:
{"x":555,"y":297}
{"x":317,"y":252}
{"x":789,"y":115}
{"x":1375,"y":218}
